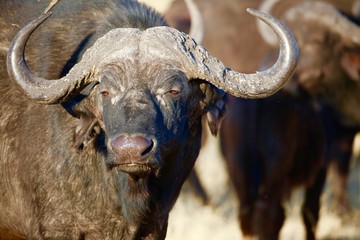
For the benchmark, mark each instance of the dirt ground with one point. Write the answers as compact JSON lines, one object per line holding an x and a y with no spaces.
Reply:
{"x":193,"y":221}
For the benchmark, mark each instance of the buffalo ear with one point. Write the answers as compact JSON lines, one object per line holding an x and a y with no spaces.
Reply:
{"x":87,"y":120}
{"x":213,"y":104}
{"x":350,"y":61}
{"x":89,"y":123}
{"x":83,"y":130}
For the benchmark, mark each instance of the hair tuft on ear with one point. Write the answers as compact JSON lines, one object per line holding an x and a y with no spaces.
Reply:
{"x":214,"y":106}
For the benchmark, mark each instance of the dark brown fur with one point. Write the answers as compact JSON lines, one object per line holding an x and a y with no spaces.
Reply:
{"x":272,"y":146}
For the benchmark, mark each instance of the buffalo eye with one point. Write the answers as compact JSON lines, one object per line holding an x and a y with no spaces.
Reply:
{"x":174,"y":92}
{"x":105,"y":93}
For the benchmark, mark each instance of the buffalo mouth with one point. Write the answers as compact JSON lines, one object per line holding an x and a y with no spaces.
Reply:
{"x":135,"y":169}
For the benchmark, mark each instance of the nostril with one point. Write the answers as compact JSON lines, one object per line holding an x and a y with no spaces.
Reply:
{"x":149,"y":148}
{"x":132,"y":146}
{"x":143,"y":145}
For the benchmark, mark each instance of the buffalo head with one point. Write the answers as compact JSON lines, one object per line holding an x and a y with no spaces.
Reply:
{"x":146,"y":92}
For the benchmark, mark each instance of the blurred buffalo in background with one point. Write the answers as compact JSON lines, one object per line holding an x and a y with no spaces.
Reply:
{"x":329,"y":42}
{"x":272,"y":146}
{"x":275,"y":144}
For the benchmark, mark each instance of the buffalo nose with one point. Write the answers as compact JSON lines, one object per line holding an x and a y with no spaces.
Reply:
{"x":133,"y":148}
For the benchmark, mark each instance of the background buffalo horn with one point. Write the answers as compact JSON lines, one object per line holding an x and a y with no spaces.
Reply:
{"x":266,"y":33}
{"x":326,"y":15}
{"x":320,"y":13}
{"x":39,"y":89}
{"x":256,"y":85}
{"x":197,"y":22}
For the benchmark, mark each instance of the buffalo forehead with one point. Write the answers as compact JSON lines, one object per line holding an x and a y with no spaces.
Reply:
{"x":152,"y":46}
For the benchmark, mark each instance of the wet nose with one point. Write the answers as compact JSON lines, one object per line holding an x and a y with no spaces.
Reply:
{"x":131,"y":148}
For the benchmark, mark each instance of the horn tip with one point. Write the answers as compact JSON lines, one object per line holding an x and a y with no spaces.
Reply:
{"x":51,"y":5}
{"x":251,"y":11}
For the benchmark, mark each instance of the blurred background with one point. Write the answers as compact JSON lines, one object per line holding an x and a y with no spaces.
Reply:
{"x":232,"y":36}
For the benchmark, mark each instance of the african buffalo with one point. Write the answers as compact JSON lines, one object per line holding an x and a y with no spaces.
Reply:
{"x":329,"y":42}
{"x":271,"y":146}
{"x":102,"y":150}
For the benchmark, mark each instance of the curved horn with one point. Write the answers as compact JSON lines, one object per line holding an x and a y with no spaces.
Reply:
{"x":326,"y":15}
{"x":261,"y":84}
{"x":39,"y":89}
{"x":195,"y":60}
{"x":197,"y":22}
